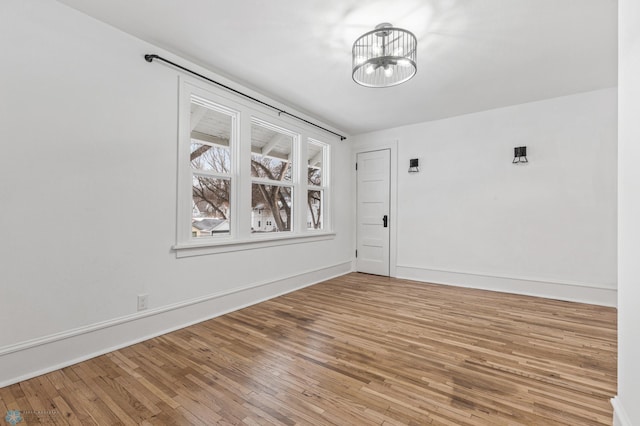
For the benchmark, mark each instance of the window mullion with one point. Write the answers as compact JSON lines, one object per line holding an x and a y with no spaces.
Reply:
{"x":244,"y":176}
{"x":302,"y":185}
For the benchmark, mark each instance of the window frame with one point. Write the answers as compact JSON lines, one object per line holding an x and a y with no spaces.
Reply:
{"x":294,"y":183}
{"x":232,"y":174}
{"x":240,"y":236}
{"x":325,"y":177}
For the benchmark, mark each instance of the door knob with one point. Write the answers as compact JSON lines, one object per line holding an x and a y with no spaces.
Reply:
{"x":384,"y":220}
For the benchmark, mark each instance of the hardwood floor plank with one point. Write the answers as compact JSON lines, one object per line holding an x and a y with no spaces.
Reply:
{"x":358,"y":349}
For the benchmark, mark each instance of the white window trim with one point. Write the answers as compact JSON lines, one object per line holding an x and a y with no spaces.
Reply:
{"x":282,"y":239}
{"x":240,"y":236}
{"x":295,"y":172}
{"x":325,"y":187}
{"x":186,"y":172}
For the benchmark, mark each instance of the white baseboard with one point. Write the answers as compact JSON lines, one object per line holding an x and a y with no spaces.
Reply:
{"x":620,"y":417}
{"x":569,"y":291}
{"x":35,"y":357}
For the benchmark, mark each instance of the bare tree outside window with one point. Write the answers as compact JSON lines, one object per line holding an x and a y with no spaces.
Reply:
{"x":314,"y":204}
{"x":272,"y":186}
{"x":315,"y":182}
{"x":211,"y":170}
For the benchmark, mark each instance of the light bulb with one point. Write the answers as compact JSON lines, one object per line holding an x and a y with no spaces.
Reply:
{"x":398,"y":51}
{"x":369,"y":69}
{"x":388,"y":71}
{"x":404,"y":62}
{"x":360,"y":60}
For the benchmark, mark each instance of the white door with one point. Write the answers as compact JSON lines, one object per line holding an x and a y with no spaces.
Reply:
{"x":373,"y":171}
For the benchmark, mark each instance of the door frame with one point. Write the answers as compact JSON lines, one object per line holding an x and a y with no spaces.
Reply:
{"x":392,"y":146}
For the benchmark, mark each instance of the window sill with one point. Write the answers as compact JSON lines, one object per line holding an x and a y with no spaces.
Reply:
{"x":201,"y":248}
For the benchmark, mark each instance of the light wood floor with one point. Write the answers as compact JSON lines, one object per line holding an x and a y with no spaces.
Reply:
{"x":358,"y":349}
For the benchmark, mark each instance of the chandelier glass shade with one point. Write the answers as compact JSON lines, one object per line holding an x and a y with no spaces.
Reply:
{"x":384,"y":57}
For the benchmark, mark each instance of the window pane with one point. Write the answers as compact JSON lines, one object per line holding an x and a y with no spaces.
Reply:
{"x":315,"y":155}
{"x":271,"y":208}
{"x":270,"y":153}
{"x":210,"y":135}
{"x":210,"y":157}
{"x":210,"y":206}
{"x":314,"y":209}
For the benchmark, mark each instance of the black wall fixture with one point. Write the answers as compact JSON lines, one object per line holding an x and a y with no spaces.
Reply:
{"x":413,"y":165}
{"x":520,"y":155}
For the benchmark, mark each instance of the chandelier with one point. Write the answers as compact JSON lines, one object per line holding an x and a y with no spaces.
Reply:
{"x":384,"y":57}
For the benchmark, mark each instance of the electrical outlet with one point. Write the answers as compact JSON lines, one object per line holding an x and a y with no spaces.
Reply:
{"x":143,"y":302}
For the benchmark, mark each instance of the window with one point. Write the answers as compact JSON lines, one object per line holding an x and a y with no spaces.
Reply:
{"x":316,"y":183}
{"x":246,"y":177}
{"x":271,"y":176}
{"x":211,"y":134}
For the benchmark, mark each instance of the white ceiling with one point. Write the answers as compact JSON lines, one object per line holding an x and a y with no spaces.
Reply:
{"x":473,"y":55}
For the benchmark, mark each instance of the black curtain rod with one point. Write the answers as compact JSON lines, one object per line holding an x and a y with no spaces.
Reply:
{"x":150,"y":58}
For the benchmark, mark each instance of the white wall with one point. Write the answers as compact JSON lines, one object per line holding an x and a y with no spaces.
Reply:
{"x":88,"y":192}
{"x":470,"y":217}
{"x":626,"y":404}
